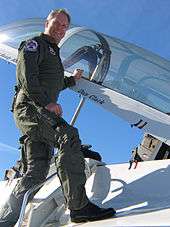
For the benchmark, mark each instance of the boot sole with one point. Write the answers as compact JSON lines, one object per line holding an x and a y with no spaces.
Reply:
{"x":86,"y":219}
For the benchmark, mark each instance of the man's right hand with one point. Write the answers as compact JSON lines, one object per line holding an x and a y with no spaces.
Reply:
{"x":54,"y":107}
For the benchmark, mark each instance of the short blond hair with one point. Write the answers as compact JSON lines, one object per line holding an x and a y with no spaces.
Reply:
{"x":57,"y":11}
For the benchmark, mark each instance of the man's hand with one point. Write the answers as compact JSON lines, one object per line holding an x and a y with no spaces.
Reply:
{"x":54,"y":107}
{"x":77,"y":74}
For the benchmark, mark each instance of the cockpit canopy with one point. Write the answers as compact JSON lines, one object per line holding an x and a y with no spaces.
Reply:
{"x":124,"y":68}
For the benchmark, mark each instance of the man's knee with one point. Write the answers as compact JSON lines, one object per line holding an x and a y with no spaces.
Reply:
{"x":69,"y":135}
{"x":73,"y":136}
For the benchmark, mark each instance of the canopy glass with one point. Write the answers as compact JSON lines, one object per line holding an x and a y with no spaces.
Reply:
{"x":123,"y":67}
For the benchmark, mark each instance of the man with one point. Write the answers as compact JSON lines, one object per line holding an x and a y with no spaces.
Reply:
{"x":40,"y":78}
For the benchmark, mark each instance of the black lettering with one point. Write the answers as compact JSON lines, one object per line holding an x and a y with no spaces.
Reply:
{"x":96,"y":99}
{"x":140,"y":124}
{"x":8,"y":58}
{"x":83,"y":92}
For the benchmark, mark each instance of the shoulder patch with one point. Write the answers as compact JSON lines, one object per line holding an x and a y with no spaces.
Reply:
{"x":31,"y":45}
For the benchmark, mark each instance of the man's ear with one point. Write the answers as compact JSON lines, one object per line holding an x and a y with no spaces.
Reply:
{"x":46,"y":23}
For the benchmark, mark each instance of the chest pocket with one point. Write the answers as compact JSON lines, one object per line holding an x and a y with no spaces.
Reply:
{"x":53,"y":60}
{"x":51,"y":69}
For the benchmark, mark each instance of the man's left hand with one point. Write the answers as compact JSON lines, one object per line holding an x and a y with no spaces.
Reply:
{"x":77,"y":74}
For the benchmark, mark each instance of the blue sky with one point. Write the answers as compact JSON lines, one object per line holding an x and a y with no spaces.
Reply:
{"x":142,"y":22}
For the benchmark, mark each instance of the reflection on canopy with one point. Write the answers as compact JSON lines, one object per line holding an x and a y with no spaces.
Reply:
{"x":132,"y":71}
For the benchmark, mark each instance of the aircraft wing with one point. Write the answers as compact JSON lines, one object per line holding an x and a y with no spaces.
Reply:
{"x":140,"y":196}
{"x":127,"y":80}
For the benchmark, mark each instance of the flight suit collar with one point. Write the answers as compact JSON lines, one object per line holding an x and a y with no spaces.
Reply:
{"x":49,"y":39}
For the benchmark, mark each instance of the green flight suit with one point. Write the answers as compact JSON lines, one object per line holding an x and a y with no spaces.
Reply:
{"x":40,"y":78}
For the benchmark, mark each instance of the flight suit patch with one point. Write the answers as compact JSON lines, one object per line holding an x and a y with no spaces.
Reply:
{"x":52,"y":51}
{"x":31,"y":46}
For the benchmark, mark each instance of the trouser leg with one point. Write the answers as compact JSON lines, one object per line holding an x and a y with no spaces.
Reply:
{"x":70,"y":167}
{"x":38,"y":157}
{"x":23,"y":168}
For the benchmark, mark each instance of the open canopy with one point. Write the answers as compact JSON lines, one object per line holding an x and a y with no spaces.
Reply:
{"x":127,"y":80}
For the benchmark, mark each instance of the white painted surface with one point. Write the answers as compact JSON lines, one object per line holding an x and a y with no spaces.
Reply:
{"x":130,"y":110}
{"x":8,"y":53}
{"x":140,"y":196}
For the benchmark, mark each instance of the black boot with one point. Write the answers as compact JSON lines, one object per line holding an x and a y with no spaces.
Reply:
{"x":91,"y":212}
{"x":85,"y":148}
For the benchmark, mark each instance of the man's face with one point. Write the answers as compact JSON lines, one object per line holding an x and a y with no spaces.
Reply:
{"x":57,"y":26}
